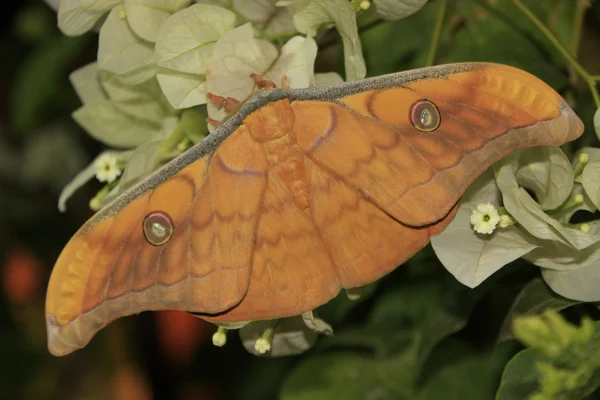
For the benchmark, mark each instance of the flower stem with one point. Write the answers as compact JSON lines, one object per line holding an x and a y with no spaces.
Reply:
{"x":559,"y":46}
{"x":437,"y":33}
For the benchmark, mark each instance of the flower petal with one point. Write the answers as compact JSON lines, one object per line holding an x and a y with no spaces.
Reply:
{"x":146,"y":17}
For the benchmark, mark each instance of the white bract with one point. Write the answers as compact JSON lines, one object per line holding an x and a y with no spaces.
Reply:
{"x":76,"y":17}
{"x":144,"y":159}
{"x":184,"y":45}
{"x":122,"y":52}
{"x":122,"y":116}
{"x":238,"y":54}
{"x":146,"y":17}
{"x":473,"y":257}
{"x":289,"y":335}
{"x":569,"y":256}
{"x":310,"y":15}
{"x":116,"y":114}
{"x":272,"y":19}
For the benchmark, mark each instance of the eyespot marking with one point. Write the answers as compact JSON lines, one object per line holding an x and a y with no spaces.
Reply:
{"x":158,"y":228}
{"x":425,"y":116}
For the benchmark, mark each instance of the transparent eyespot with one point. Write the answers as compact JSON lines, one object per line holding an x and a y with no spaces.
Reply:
{"x":158,"y":228}
{"x":425,"y":116}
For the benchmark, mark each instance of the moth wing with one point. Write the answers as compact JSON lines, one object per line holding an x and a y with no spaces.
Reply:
{"x":487,"y":112}
{"x":109,"y":269}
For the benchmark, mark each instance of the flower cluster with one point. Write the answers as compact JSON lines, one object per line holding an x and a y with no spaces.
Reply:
{"x":524,"y":208}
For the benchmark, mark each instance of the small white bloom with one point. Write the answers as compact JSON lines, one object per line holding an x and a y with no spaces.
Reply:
{"x":107,"y":168}
{"x":95,"y":203}
{"x":262,"y":345}
{"x":585,"y":228}
{"x":485,"y":218}
{"x":219,"y":338}
{"x":364,"y":5}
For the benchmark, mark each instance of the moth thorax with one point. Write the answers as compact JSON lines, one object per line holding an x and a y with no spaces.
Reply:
{"x":271,"y":122}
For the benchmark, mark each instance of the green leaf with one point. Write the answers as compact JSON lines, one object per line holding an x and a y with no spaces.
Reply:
{"x":548,"y":173}
{"x":397,"y":9}
{"x":121,"y":51}
{"x":105,"y":122}
{"x":76,"y":17}
{"x":455,"y":364}
{"x":146,"y":17}
{"x":413,"y":52}
{"x":487,"y":32}
{"x":38,"y":86}
{"x":335,"y":310}
{"x":429,"y":310}
{"x":86,"y":83}
{"x":42,"y":167}
{"x":534,"y":299}
{"x":183,"y":48}
{"x":520,"y":376}
{"x":351,"y":377}
{"x":581,"y":284}
{"x":310,"y":15}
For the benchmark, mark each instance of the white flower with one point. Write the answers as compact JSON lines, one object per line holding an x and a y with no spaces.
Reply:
{"x":585,"y":228}
{"x":107,"y":168}
{"x":219,"y":338}
{"x":262,"y":345}
{"x":485,"y":218}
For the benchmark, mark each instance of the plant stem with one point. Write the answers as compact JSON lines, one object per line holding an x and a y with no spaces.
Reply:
{"x":559,"y":46}
{"x":580,"y":8}
{"x":437,"y":33}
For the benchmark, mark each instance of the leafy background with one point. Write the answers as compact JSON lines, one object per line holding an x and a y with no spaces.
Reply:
{"x":416,"y":334}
